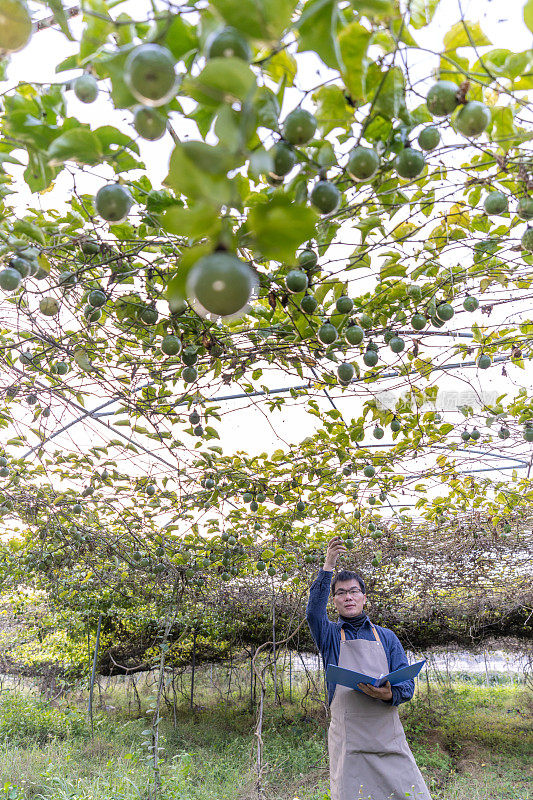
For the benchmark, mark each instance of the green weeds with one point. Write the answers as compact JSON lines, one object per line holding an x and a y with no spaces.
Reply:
{"x":470,"y":742}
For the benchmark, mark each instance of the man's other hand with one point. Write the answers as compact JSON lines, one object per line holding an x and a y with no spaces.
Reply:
{"x":381,"y":693}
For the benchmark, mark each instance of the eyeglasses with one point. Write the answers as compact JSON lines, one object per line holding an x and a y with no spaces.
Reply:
{"x":344,"y":593}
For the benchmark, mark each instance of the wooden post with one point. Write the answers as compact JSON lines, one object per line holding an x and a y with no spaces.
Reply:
{"x":193,"y":668}
{"x":274,"y":644}
{"x":290,"y":676}
{"x":93,"y":672}
{"x":251,"y":682}
{"x":230,"y":675}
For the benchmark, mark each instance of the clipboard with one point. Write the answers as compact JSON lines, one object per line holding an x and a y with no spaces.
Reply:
{"x":350,"y":678}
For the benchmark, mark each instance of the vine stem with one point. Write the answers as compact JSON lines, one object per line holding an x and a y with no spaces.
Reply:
{"x":155,"y":724}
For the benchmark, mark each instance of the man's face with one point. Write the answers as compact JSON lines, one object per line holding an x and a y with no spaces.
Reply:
{"x":348,"y":598}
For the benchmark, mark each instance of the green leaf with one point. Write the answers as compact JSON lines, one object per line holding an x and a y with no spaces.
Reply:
{"x":280,"y":226}
{"x":113,"y":67}
{"x":79,"y":144}
{"x":465,"y":34}
{"x":353,"y":42}
{"x":374,"y":8}
{"x":267,"y":107}
{"x":38,"y":174}
{"x":175,"y":288}
{"x":30,"y":230}
{"x":281,"y":67}
{"x":317,"y":31}
{"x":223,"y":80}
{"x":109,"y":135}
{"x":99,"y":25}
{"x":186,"y":177}
{"x":503,"y":129}
{"x":180,"y":37}
{"x":332,"y":111}
{"x":387,"y":90}
{"x":392,"y":270}
{"x":261,"y":19}
{"x":528,"y":14}
{"x":199,"y":220}
{"x":422,"y":12}
{"x":71,"y":62}
{"x":56,"y":7}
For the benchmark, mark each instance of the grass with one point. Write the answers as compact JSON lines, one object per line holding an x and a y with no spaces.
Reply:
{"x":470,"y":742}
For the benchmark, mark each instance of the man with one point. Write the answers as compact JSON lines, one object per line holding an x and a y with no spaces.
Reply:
{"x":368,"y":752}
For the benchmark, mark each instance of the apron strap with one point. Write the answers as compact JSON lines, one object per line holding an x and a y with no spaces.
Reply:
{"x":378,"y":640}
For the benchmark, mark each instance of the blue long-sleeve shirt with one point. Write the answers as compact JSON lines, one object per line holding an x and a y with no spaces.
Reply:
{"x":327,"y":636}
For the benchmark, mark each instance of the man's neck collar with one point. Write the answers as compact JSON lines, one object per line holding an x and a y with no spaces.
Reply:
{"x":358,"y":618}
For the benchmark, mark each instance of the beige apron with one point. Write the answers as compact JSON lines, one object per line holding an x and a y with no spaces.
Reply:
{"x":369,"y":755}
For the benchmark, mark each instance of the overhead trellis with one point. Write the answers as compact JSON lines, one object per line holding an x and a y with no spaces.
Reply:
{"x":162,"y":420}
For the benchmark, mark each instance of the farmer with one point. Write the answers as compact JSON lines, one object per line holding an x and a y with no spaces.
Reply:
{"x":368,"y":752}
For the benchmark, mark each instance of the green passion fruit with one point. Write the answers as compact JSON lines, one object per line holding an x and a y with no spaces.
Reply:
{"x":220,"y":284}
{"x":283,"y":159}
{"x":149,"y":123}
{"x":409,"y":163}
{"x":149,"y":315}
{"x":299,"y":126}
{"x":97,"y":298}
{"x":345,"y":372}
{"x":309,"y":304}
{"x":189,"y":356}
{"x":10,"y":279}
{"x":397,"y":344}
{"x":344,"y":304}
{"x":189,"y":374}
{"x":113,"y":202}
{"x":418,"y":322}
{"x":307,"y":259}
{"x":473,"y":118}
{"x":49,"y":307}
{"x":354,"y":334}
{"x":89,"y":247}
{"x":228,"y":43}
{"x":441,"y":99}
{"x":170,"y":345}
{"x":86,"y":88}
{"x":296,"y":281}
{"x":429,"y":138}
{"x":370,"y":358}
{"x":149,"y":74}
{"x":22,"y":265}
{"x":470,"y":303}
{"x":363,"y":163}
{"x":325,"y":197}
{"x":444,"y":311}
{"x":327,"y":333}
{"x":527,"y":240}
{"x":525,"y":208}
{"x":15,"y":25}
{"x":496,"y":203}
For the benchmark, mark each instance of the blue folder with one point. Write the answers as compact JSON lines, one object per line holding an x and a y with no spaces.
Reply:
{"x":350,"y":678}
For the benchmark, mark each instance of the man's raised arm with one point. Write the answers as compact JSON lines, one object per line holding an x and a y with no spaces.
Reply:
{"x":319,"y":592}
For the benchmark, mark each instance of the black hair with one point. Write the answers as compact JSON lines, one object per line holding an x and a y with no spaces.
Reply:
{"x":347,"y":575}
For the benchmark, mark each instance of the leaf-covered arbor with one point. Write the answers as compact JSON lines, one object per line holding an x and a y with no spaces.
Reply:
{"x":390,"y":251}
